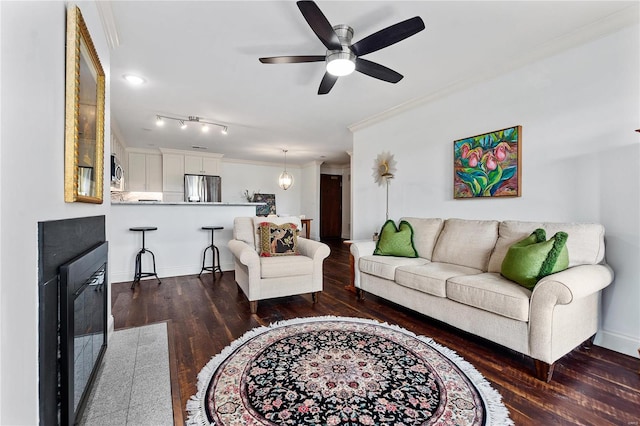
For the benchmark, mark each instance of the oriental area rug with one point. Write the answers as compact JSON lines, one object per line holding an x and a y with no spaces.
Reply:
{"x":341,"y":371}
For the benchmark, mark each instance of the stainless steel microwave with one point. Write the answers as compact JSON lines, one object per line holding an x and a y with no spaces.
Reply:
{"x":117,"y":173}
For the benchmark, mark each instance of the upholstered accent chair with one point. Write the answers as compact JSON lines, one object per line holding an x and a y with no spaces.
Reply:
{"x":271,"y":276}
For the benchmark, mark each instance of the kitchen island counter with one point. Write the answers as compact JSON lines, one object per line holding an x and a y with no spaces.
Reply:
{"x":179,"y":241}
{"x":180,"y":203}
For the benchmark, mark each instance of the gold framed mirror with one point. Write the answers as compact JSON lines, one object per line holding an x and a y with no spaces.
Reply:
{"x":84,"y":115}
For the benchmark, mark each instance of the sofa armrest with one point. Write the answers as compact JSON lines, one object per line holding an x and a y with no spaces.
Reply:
{"x":359,"y":249}
{"x":563,"y":311}
{"x":245,"y":254}
{"x":571,"y":284}
{"x":314,"y":249}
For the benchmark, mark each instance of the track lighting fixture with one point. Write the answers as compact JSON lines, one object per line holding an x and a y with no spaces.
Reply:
{"x":183,"y":123}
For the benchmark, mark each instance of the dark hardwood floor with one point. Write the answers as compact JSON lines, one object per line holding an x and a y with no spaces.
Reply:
{"x":590,"y":386}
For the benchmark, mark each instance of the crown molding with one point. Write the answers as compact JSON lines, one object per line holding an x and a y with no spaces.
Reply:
{"x":108,"y":23}
{"x":142,"y":150}
{"x":587,"y":33}
{"x":188,"y":152}
{"x":313,"y":163}
{"x":259,"y":163}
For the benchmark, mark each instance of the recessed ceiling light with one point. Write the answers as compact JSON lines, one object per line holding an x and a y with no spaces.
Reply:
{"x":134,"y":79}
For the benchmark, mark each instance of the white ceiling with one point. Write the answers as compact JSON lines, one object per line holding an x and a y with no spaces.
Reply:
{"x":200,"y":58}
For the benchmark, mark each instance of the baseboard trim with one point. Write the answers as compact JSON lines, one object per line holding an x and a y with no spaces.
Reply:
{"x":624,"y":344}
{"x":178,"y":271}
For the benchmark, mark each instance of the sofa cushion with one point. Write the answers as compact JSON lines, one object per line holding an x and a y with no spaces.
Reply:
{"x":243,"y":230}
{"x":466,"y":242}
{"x":432,"y":277}
{"x":385,"y":266}
{"x":425,"y":234}
{"x":491,"y":292}
{"x":535,"y":257}
{"x":585,"y":244}
{"x":257,"y":220}
{"x":285,"y":266}
{"x":396,"y":241}
{"x":278,"y":240}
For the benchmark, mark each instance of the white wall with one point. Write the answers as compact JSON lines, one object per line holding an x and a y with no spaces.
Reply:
{"x":580,"y":159}
{"x":32,"y":135}
{"x":310,"y":197}
{"x":238,"y":175}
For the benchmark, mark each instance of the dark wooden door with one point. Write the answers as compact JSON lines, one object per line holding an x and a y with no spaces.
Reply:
{"x":330,"y":206}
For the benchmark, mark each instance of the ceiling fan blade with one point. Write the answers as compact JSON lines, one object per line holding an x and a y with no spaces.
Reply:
{"x":319,"y":24}
{"x":377,"y":71}
{"x":327,"y":83}
{"x":388,"y":36}
{"x":292,"y":59}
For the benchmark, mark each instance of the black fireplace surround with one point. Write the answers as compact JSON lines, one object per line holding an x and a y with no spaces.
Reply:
{"x":72,"y":289}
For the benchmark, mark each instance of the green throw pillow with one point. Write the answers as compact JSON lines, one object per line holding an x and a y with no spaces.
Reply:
{"x":532,"y":258}
{"x":396,"y":241}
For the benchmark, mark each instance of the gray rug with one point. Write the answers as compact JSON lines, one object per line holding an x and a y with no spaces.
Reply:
{"x":133,"y":384}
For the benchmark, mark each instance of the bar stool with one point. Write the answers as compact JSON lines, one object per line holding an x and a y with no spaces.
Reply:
{"x":138,"y":270}
{"x":214,"y":253}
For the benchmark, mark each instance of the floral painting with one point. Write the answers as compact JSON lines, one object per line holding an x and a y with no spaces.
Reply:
{"x":270,"y":204}
{"x":488,"y":165}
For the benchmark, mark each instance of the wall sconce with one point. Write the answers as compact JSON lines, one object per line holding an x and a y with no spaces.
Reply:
{"x":286,"y":179}
{"x":182,"y":122}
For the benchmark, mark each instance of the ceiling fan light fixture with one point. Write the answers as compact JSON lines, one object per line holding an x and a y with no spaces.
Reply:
{"x":341,"y":63}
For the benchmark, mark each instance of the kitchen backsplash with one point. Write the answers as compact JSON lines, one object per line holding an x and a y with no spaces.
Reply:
{"x":136,"y":196}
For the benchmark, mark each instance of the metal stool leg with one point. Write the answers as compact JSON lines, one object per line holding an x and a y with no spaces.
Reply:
{"x":155,"y":274}
{"x":214,"y":253}
{"x":138,"y":274}
{"x":204,"y":257}
{"x":137,"y":269}
{"x":216,"y":266}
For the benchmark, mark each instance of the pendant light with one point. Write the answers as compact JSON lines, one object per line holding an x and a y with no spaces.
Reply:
{"x":286,"y":179}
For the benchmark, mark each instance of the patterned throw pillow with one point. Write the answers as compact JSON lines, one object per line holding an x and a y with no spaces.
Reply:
{"x":396,"y":241}
{"x":278,"y":240}
{"x":534,"y":257}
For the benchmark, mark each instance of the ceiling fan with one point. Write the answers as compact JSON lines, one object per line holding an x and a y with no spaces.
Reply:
{"x":342,"y":56}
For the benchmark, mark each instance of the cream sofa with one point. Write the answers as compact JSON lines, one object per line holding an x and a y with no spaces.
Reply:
{"x":457,"y":280}
{"x":268,"y":277}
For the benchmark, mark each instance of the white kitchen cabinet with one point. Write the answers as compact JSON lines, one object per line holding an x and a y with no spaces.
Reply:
{"x":210,"y":166}
{"x":176,"y":163}
{"x":193,"y":165}
{"x":144,"y":172}
{"x":153,"y":165}
{"x":173,"y":172}
{"x":201,"y":165}
{"x":136,"y":172}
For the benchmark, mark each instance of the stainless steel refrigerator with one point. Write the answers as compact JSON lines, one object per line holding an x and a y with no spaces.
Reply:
{"x":202,"y":189}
